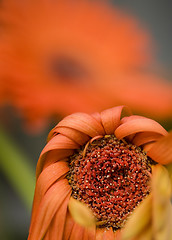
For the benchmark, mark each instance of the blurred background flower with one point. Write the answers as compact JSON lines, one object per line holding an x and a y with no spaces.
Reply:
{"x":58,"y":57}
{"x":68,"y":56}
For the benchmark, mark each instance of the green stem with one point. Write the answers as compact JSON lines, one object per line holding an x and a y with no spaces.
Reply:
{"x":17,"y":169}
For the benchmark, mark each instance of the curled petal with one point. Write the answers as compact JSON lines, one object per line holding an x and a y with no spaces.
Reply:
{"x":145,"y":137}
{"x":52,"y":134}
{"x":84,"y":123}
{"x":97,"y":116}
{"x":69,"y":224}
{"x":57,"y":225}
{"x":109,"y":235}
{"x":99,"y":233}
{"x":85,"y":237}
{"x":95,"y":138}
{"x":78,"y":137}
{"x":50,"y":175}
{"x":77,"y":232}
{"x":118,"y":235}
{"x":148,"y":146}
{"x":130,"y":137}
{"x":111,"y":118}
{"x":49,"y":205}
{"x":55,"y":156}
{"x":132,"y":117}
{"x":58,"y":142}
{"x":161,"y":151}
{"x":47,"y":236}
{"x":47,"y":177}
{"x":123,"y":120}
{"x":89,"y":233}
{"x":136,"y":124}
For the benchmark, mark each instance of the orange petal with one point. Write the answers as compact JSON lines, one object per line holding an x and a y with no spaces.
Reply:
{"x":51,"y":174}
{"x":145,"y":137}
{"x":130,"y":138}
{"x":95,"y":138}
{"x":105,"y":234}
{"x":52,"y":157}
{"x":85,"y":237}
{"x":123,"y":120}
{"x":51,"y":134}
{"x":109,"y":235}
{"x":55,"y":156}
{"x":138,"y":124}
{"x":97,"y":116}
{"x":51,"y":202}
{"x":58,"y":142}
{"x":69,"y":224}
{"x":77,"y":232}
{"x":148,"y":146}
{"x":46,"y":237}
{"x":117,"y":235}
{"x":99,"y":233}
{"x":57,"y":226}
{"x":132,"y":117}
{"x":47,"y":177}
{"x":161,"y":151}
{"x":111,"y":118}
{"x":78,"y":137}
{"x":90,"y":234}
{"x":84,"y":123}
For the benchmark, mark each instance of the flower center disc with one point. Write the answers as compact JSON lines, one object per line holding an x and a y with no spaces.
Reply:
{"x":111,"y":177}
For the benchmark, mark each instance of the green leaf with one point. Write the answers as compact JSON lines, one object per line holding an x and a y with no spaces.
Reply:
{"x":17,"y":168}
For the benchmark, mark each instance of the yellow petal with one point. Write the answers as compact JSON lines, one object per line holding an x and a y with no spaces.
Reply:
{"x":161,"y":185}
{"x":169,"y":168}
{"x":165,"y":232}
{"x":161,"y":191}
{"x":139,"y":220}
{"x":147,"y":234}
{"x":81,"y":213}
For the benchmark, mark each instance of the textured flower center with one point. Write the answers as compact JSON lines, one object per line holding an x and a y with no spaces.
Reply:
{"x":111,"y":177}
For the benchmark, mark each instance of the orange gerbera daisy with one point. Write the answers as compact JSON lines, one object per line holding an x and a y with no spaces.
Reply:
{"x":65,"y":56}
{"x":94,"y":171}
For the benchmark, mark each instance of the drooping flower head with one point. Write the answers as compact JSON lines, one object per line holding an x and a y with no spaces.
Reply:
{"x":94,"y":171}
{"x":60,"y":57}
